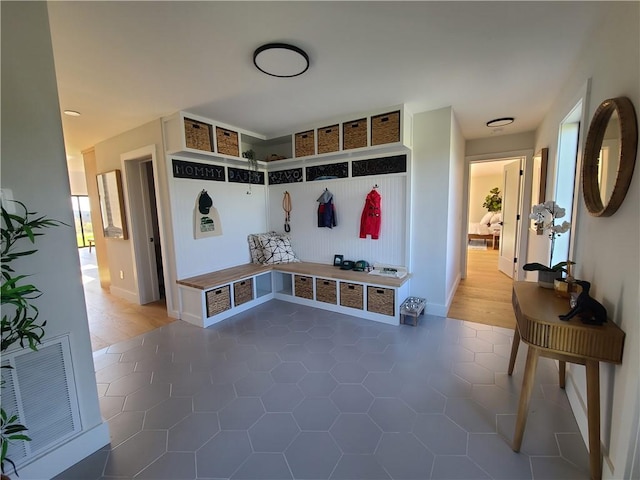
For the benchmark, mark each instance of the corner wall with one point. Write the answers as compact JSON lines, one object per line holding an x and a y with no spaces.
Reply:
{"x":606,"y":249}
{"x":430,"y":174}
{"x":34,"y":168}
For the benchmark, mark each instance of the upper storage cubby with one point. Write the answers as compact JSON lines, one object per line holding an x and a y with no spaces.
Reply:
{"x":377,"y":131}
{"x":194,"y":136}
{"x":384,"y":128}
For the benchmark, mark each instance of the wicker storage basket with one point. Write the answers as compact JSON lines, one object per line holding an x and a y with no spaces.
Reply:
{"x":198,"y":135}
{"x":351,"y":295}
{"x":354,"y":134}
{"x":218,"y":300}
{"x":227,"y":142}
{"x":385,"y":128}
{"x":242,"y":291}
{"x":328,"y":139}
{"x":381,"y":300}
{"x":303,"y":287}
{"x":326,"y":291}
{"x":305,"y":144}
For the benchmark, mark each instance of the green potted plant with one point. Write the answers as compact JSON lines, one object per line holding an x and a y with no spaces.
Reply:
{"x":544,"y":215}
{"x":20,"y":324}
{"x":493,"y":201}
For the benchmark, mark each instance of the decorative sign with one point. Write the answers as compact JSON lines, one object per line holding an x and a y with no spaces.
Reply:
{"x":379,"y":166}
{"x":240,"y":175}
{"x":325,"y":172}
{"x":198,"y":171}
{"x":293,"y":175}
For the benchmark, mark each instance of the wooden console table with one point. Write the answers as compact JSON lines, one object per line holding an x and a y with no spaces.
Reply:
{"x":538,"y":326}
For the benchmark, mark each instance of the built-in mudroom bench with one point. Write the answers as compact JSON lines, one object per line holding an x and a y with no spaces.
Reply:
{"x":212,"y":297}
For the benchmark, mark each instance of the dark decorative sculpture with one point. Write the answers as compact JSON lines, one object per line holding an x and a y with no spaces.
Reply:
{"x":588,"y":309}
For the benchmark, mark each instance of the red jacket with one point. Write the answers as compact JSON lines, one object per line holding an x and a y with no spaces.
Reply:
{"x":371,"y":216}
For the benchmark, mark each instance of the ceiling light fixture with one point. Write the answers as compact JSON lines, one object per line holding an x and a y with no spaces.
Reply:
{"x":72,"y":113}
{"x":281,"y":60}
{"x":500,"y":122}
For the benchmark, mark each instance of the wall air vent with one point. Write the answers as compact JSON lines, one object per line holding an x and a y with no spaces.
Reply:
{"x":41,"y":390}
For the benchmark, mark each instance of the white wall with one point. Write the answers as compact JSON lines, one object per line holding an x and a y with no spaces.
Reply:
{"x":240,"y":214}
{"x":78,"y":182}
{"x":315,"y":244}
{"x":456,"y":208}
{"x":606,"y":249}
{"x":479,"y":186}
{"x":432,"y":141}
{"x":34,"y":168}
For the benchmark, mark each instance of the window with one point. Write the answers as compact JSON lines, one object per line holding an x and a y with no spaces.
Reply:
{"x":82,"y":217}
{"x":565,"y":179}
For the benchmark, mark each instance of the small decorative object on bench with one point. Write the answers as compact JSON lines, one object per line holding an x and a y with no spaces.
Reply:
{"x":412,"y":307}
{"x":587,"y":308}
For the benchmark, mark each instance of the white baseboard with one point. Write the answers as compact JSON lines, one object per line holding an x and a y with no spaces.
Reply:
{"x":436,"y":309}
{"x":125,"y":294}
{"x":66,"y":455}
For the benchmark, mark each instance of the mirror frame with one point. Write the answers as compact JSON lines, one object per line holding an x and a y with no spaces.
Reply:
{"x":539,"y":183}
{"x":112,"y":200}
{"x":627,"y":154}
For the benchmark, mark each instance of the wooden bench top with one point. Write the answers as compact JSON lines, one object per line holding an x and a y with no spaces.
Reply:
{"x":228,"y":275}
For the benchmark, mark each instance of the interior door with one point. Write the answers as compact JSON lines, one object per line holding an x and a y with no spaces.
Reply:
{"x":510,"y":201}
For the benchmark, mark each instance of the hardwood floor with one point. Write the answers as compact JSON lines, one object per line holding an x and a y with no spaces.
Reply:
{"x":112,"y":319}
{"x":485,"y":295}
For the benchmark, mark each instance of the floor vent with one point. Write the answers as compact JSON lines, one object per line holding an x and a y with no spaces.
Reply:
{"x":41,"y":390}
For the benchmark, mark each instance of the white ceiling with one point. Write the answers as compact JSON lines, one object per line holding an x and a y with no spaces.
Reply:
{"x":122,"y":64}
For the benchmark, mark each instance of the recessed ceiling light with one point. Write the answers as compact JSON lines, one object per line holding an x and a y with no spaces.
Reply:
{"x":500,"y":122}
{"x":72,"y":113}
{"x":281,"y":60}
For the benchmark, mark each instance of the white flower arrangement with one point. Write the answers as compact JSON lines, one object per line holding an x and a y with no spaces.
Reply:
{"x":545,"y":215}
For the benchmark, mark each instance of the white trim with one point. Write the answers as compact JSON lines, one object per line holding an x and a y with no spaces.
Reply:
{"x":128,"y":295}
{"x":67,"y":454}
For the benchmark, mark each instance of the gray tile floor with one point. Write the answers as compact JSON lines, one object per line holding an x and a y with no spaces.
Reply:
{"x":286,"y":391}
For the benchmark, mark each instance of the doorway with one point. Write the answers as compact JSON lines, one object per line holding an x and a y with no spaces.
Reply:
{"x":489,"y":268}
{"x":140,"y":190}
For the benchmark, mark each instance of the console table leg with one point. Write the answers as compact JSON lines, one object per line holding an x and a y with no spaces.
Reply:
{"x":514,"y":350}
{"x":525,"y":396}
{"x":562,"y":373}
{"x":593,"y":416}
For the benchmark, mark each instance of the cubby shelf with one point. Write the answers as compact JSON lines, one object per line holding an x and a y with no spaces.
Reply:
{"x":382,"y":131}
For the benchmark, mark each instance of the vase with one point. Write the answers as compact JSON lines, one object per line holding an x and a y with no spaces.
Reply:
{"x":563,"y":288}
{"x":547,"y":279}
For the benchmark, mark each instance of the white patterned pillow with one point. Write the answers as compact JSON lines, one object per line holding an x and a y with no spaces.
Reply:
{"x":277,"y":249}
{"x":255,"y":249}
{"x":255,"y":245}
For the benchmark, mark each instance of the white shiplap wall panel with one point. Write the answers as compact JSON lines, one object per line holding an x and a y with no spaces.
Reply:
{"x":240,"y":215}
{"x":315,"y":244}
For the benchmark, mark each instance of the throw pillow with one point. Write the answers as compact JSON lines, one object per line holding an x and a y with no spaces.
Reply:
{"x":277,"y":249}
{"x":255,"y":249}
{"x":486,"y":220}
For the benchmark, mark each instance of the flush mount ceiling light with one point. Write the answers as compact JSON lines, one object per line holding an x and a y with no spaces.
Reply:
{"x":500,"y":122}
{"x":72,"y":113}
{"x":281,"y":60}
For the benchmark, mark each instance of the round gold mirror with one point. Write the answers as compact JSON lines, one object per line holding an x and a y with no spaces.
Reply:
{"x":609,"y":156}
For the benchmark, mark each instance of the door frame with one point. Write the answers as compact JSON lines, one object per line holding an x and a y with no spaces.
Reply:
{"x":146,"y":283}
{"x":522,"y":234}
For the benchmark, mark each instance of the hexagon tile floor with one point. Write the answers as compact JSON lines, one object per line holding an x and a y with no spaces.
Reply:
{"x":285,"y":391}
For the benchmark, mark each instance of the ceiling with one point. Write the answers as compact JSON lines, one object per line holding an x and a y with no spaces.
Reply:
{"x":122,"y":64}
